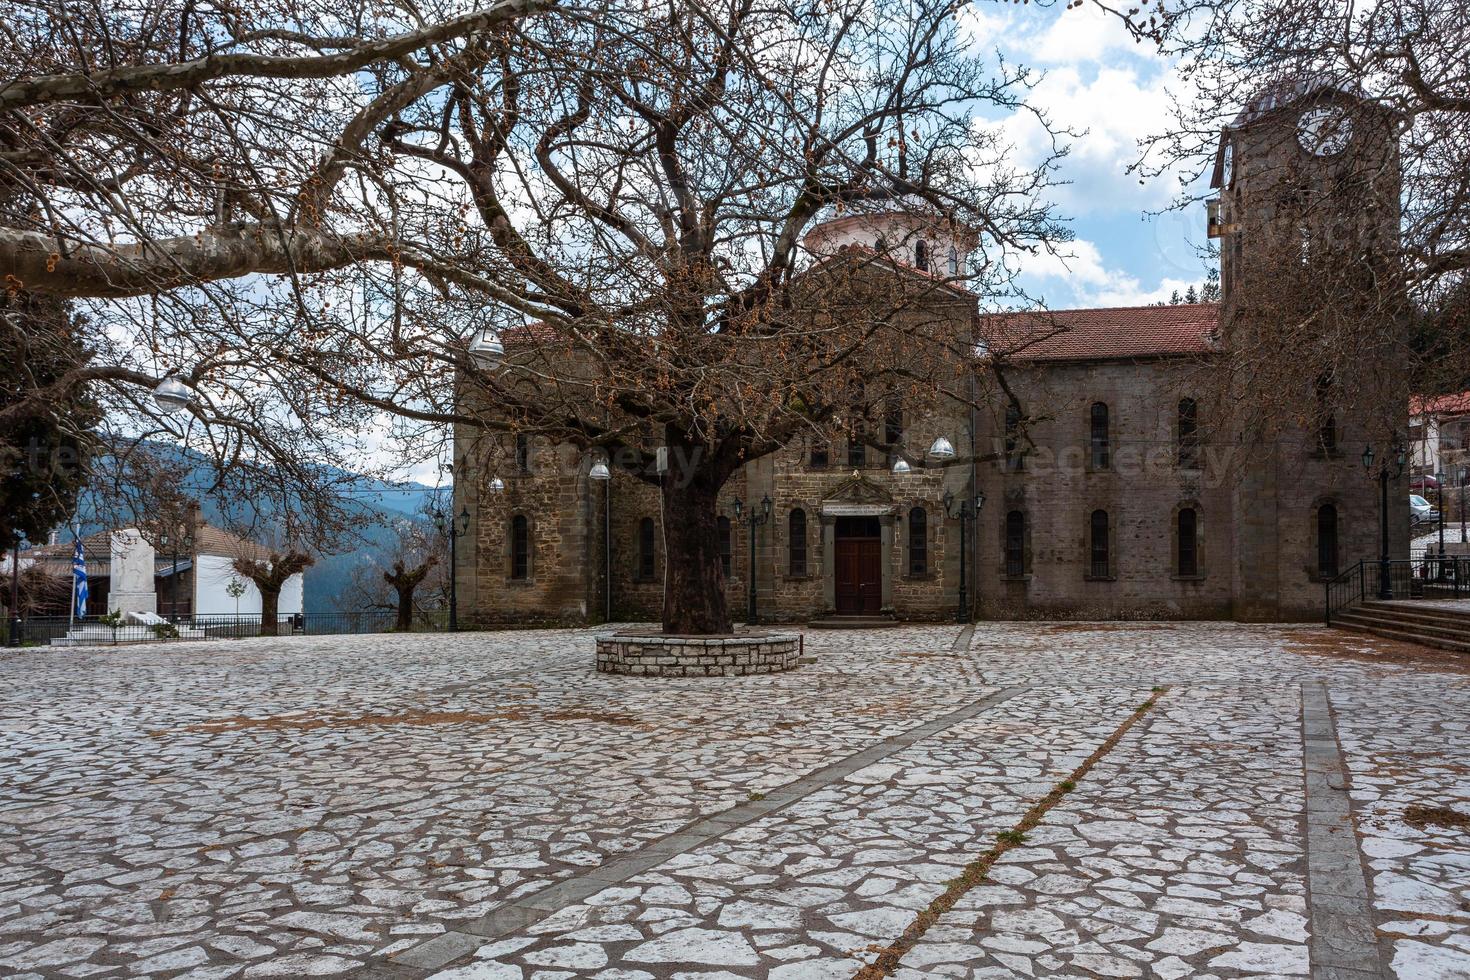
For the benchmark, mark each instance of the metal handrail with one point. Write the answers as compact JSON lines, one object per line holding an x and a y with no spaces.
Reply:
{"x":1429,"y":577}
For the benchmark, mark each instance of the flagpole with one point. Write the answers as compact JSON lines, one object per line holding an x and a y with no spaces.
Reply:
{"x":71,"y":612}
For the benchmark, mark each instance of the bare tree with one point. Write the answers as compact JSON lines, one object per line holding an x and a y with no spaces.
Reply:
{"x":269,"y":570}
{"x":619,"y":194}
{"x":413,"y":571}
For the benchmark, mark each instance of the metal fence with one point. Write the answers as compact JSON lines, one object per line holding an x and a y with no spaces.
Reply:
{"x":94,"y":630}
{"x":1425,"y":577}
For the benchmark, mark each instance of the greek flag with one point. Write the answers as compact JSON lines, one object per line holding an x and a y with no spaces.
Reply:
{"x":79,"y":580}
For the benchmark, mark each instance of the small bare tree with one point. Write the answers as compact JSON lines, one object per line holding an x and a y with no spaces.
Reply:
{"x":413,"y":570}
{"x":270,"y":570}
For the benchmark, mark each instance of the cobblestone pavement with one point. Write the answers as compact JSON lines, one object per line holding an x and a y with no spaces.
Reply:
{"x":485,"y":806}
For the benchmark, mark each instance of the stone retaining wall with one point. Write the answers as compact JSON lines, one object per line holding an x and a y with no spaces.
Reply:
{"x":653,"y":655}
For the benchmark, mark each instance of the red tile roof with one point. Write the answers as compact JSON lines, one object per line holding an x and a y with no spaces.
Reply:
{"x":1111,"y":334}
{"x":1457,"y":404}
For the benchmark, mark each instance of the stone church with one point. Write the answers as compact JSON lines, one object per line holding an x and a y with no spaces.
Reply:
{"x":1124,"y":499}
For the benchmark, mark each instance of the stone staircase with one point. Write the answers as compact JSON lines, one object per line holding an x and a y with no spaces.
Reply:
{"x":1431,"y":625}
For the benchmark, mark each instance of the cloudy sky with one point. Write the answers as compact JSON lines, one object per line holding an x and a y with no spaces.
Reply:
{"x":1099,"y":83}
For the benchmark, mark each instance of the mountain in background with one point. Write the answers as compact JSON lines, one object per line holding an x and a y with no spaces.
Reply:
{"x":326,"y":584}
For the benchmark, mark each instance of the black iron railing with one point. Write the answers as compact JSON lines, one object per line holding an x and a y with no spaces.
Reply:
{"x":1427,"y":577}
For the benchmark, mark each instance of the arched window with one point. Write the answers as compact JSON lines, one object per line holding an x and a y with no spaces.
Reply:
{"x":1100,"y":562}
{"x":523,"y":453}
{"x":1015,"y":544}
{"x":1327,"y":540}
{"x":796,"y":543}
{"x":520,"y":547}
{"x":954,"y":261}
{"x":1187,"y":544}
{"x":1188,"y":434}
{"x":1013,"y":437}
{"x":819,"y":456}
{"x":1101,"y":448}
{"x":918,"y":542}
{"x":857,"y":450}
{"x":724,"y":526}
{"x":921,"y":255}
{"x":1327,"y":434}
{"x":1327,"y":422}
{"x":880,"y":245}
{"x":646,"y":553}
{"x":892,"y":421}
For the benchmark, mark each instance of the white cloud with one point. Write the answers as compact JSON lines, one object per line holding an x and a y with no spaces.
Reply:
{"x":1079,"y":276}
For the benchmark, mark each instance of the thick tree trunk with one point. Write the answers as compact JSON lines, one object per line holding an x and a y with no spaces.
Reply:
{"x":405,"y":609}
{"x":694,"y":601}
{"x":270,"y":601}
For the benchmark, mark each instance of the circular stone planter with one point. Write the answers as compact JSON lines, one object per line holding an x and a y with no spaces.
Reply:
{"x":662,"y":655}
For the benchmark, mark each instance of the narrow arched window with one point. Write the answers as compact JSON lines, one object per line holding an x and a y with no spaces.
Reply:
{"x":954,"y":261}
{"x":1101,"y":557}
{"x":520,"y":547}
{"x":1327,"y":540}
{"x":1015,"y":544}
{"x":1188,"y":434}
{"x":646,"y":553}
{"x":1327,"y":434}
{"x":523,"y":453}
{"x":1013,"y":437}
{"x":892,"y":421}
{"x":796,"y":543}
{"x":918,"y":542}
{"x":857,"y":450}
{"x":1099,"y":442}
{"x":921,"y":255}
{"x":1187,"y":532}
{"x":724,"y":529}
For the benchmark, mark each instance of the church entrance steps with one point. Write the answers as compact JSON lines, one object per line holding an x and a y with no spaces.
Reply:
{"x":1440,"y":625}
{"x":852,"y":622}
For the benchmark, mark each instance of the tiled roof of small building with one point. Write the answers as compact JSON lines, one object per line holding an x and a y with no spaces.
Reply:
{"x":1456,"y":404}
{"x":1108,"y":334}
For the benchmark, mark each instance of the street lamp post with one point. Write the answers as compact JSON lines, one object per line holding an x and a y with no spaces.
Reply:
{"x":964,"y":511}
{"x":15,"y":592}
{"x":1385,"y":588}
{"x":602,"y":474}
{"x":1439,"y":488}
{"x":752,"y":520}
{"x":455,"y":530}
{"x":1464,"y":473}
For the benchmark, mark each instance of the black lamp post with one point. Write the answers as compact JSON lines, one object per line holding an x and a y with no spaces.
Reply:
{"x":1464,"y":473}
{"x":15,"y":592}
{"x":455,"y":530}
{"x":964,"y":511}
{"x":752,"y":520}
{"x":1439,"y":484}
{"x":1385,"y":588}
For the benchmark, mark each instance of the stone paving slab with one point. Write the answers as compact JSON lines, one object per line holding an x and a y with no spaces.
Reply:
{"x":319,"y":806}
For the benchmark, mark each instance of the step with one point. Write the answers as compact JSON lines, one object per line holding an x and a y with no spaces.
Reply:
{"x":1392,"y":634}
{"x":1429,"y":617}
{"x":852,"y":623}
{"x":1457,"y":633}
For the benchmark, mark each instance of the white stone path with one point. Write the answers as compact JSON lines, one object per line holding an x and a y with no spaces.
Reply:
{"x":325,"y":806}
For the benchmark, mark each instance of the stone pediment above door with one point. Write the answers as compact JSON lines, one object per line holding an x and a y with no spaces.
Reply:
{"x":857,"y":496}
